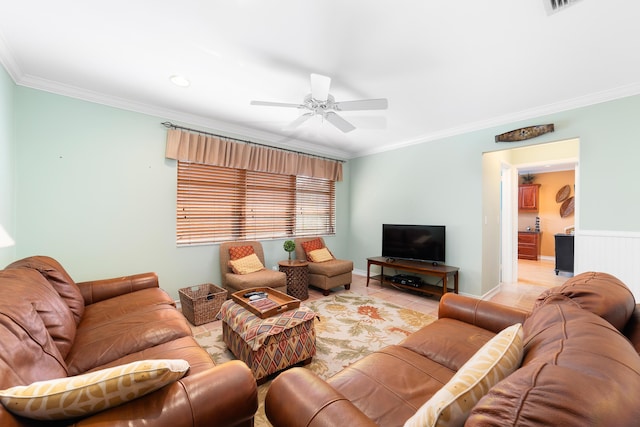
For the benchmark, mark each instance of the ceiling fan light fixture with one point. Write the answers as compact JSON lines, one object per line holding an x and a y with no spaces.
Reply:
{"x":320,"y":103}
{"x":179,"y":80}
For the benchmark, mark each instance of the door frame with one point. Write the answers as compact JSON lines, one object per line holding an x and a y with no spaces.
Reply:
{"x":509,"y":209}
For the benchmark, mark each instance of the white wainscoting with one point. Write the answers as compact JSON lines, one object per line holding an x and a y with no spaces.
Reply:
{"x":613,"y":252}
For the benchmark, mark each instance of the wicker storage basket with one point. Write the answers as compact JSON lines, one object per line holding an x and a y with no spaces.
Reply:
{"x":201,"y":304}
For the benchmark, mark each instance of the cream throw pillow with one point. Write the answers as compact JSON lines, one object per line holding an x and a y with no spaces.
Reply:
{"x":89,"y":393}
{"x":496,"y":360}
{"x":246,"y":265}
{"x":320,"y":255}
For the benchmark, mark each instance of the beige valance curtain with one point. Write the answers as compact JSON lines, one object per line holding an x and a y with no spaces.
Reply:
{"x":212,"y":150}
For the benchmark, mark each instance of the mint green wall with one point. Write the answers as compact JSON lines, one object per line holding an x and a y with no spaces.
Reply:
{"x":440,"y":182}
{"x":7,"y":195}
{"x":92,"y":188}
{"x":95,"y":192}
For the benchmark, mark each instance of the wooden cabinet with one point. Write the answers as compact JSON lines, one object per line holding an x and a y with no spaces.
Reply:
{"x":528,"y":197}
{"x":529,"y":245}
{"x":429,"y":269}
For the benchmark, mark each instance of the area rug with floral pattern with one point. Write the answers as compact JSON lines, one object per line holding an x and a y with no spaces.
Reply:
{"x":348,"y":327}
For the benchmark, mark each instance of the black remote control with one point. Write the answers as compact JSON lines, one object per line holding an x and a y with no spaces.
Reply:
{"x":250,"y":294}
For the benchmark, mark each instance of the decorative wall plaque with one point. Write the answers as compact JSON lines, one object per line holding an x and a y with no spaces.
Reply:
{"x":523,"y":134}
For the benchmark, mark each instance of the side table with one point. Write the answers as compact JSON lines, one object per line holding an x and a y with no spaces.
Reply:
{"x":297,"y":277}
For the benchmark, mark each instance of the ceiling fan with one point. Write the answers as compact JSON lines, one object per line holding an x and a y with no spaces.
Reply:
{"x":320,"y":103}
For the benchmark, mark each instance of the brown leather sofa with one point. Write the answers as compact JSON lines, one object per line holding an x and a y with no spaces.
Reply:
{"x":83,"y":327}
{"x":580,"y":368}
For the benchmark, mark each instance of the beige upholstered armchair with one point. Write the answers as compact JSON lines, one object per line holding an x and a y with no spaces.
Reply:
{"x":247,"y":258}
{"x":329,"y":272}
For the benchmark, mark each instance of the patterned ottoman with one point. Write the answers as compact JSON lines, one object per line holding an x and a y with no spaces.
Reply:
{"x":268,"y":345}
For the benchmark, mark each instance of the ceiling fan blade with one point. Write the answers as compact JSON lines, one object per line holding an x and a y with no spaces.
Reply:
{"x":300,"y":120}
{"x":320,"y":87}
{"x":276,"y":104}
{"x":363,"y":104}
{"x":339,"y":122}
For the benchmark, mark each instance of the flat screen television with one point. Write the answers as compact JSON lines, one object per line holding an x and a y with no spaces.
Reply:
{"x":414,"y":242}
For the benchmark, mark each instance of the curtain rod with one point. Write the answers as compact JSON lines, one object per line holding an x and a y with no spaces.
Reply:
{"x":171,"y":125}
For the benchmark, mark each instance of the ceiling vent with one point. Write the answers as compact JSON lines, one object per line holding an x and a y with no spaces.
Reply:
{"x":553,"y":6}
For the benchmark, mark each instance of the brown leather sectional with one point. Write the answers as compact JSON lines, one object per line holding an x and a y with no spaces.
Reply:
{"x":106,"y":323}
{"x":581,"y":366}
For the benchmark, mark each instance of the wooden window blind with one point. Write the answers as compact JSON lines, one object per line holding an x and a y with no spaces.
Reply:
{"x":217,"y":204}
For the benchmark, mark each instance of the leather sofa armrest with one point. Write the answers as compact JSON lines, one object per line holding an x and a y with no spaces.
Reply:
{"x":298,"y":397}
{"x":632,"y":329}
{"x":99,"y":290}
{"x":225,"y":395}
{"x":484,"y":314}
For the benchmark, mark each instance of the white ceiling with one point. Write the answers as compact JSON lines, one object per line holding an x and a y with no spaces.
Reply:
{"x":446,"y":67}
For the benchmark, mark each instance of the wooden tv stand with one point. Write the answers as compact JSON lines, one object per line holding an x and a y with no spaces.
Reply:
{"x":426,"y":268}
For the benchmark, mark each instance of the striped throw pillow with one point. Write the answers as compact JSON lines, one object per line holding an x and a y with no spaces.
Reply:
{"x":246,"y":265}
{"x":86,"y":394}
{"x":320,"y":255}
{"x":496,"y":360}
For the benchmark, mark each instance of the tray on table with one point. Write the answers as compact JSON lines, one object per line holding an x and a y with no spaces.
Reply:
{"x":275,"y":303}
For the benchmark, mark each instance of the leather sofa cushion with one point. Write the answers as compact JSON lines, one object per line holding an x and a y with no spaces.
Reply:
{"x":57,"y":276}
{"x":578,"y":370}
{"x":393,"y":383}
{"x":22,"y":284}
{"x":113,"y":308}
{"x":448,"y":342}
{"x":390,"y":384}
{"x":186,"y":348}
{"x":101,"y":342}
{"x":496,"y":360}
{"x":599,"y":293}
{"x":28,"y":352}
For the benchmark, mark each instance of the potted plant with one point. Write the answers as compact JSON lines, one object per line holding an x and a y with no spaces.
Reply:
{"x":528,"y":178}
{"x":289,"y":246}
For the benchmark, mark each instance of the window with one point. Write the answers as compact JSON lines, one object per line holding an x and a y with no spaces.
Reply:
{"x":217,"y":204}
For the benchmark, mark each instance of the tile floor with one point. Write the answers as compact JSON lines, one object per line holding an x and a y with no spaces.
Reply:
{"x":534,"y":278}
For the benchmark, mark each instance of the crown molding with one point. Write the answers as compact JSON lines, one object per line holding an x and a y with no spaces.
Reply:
{"x":225,"y":128}
{"x":7,"y":61}
{"x":220,"y":127}
{"x":558,"y":107}
{"x":233,"y":131}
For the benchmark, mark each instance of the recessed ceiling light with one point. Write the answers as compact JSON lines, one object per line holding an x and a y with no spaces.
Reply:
{"x":179,"y":80}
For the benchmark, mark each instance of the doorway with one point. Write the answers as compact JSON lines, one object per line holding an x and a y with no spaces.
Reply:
{"x":554,"y":215}
{"x":552,"y":158}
